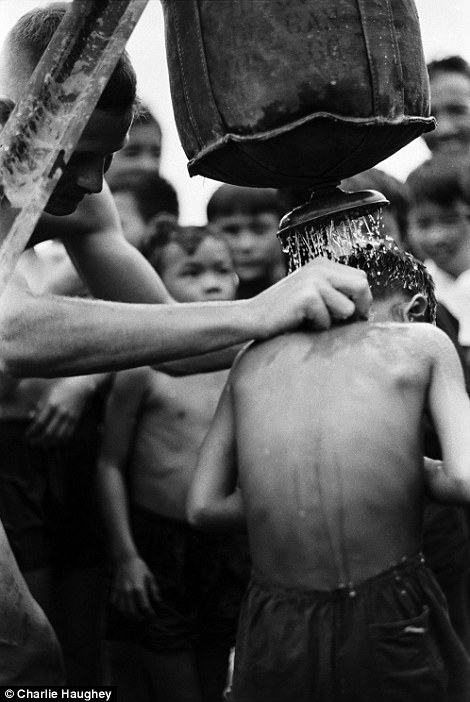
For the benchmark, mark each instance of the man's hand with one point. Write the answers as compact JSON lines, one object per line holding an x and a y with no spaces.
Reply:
{"x":134,"y":588}
{"x":317,"y":294}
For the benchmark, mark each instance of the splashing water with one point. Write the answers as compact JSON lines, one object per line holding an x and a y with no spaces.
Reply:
{"x":348,"y":234}
{"x":334,"y":238}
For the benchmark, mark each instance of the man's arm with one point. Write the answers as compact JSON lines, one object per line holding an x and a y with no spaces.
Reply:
{"x":55,"y":336}
{"x":214,"y":501}
{"x":112,"y":268}
{"x":133,"y":587}
{"x":449,"y":405}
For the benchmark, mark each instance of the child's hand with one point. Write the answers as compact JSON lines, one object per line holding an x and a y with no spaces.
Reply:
{"x":134,"y":589}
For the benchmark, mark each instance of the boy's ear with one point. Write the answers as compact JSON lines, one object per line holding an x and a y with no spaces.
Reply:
{"x":415,"y":309}
{"x":236,"y":280}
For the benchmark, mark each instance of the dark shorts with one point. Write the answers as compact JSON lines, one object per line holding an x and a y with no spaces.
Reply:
{"x":387,"y":639}
{"x":24,"y":495}
{"x":200,"y":591}
{"x":47,"y":501}
{"x":75,"y":518}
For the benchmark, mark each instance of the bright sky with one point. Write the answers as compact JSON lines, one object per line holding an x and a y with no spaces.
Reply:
{"x":445,"y":30}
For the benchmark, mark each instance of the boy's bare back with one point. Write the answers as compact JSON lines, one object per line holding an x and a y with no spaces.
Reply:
{"x":332,"y":475}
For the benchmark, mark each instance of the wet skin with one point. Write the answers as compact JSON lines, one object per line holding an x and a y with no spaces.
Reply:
{"x":332,"y":477}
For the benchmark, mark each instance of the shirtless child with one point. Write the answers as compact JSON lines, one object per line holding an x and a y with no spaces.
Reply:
{"x":170,"y":581}
{"x":323,"y":434}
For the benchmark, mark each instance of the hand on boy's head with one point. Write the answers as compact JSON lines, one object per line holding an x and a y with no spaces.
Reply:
{"x":317,"y":294}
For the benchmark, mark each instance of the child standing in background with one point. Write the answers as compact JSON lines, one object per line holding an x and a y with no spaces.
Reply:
{"x":172,"y":583}
{"x":249,"y":217}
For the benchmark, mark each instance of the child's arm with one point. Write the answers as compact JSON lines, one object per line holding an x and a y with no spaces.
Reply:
{"x":134,"y":587}
{"x":214,"y":501}
{"x":450,"y":410}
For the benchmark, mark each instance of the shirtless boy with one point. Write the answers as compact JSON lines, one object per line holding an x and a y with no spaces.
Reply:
{"x":171,"y":582}
{"x":324,"y":435}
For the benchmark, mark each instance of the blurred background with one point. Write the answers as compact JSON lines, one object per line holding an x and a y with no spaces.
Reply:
{"x":445,"y":29}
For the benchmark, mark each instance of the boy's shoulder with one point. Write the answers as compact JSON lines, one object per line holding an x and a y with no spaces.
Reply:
{"x":426,"y":333}
{"x":427,"y":342}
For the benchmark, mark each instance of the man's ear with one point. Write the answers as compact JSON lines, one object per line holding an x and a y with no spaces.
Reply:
{"x":415,"y":309}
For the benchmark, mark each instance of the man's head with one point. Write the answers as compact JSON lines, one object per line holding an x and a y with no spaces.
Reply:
{"x":138,"y":198}
{"x":142,"y":152}
{"x":250,"y":217}
{"x":106,"y":131}
{"x":194,"y":263}
{"x":450,"y":104}
{"x":440,"y":214}
{"x":401,"y":287}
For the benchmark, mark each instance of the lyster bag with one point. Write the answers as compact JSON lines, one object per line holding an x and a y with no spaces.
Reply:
{"x":283,"y":93}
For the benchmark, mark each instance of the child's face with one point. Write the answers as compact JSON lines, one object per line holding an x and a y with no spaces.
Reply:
{"x":205,"y":276}
{"x":439,"y":232}
{"x":450,"y":105}
{"x":252,"y":238}
{"x":142,"y":152}
{"x":133,"y":225}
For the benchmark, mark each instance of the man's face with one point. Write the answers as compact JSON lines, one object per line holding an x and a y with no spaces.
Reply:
{"x":252,"y":238}
{"x":450,"y":105}
{"x":105,"y":133}
{"x":439,"y":232}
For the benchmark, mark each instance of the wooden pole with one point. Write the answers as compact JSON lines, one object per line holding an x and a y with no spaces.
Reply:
{"x":43,"y":129}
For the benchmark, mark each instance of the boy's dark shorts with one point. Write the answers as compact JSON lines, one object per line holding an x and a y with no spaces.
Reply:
{"x":387,"y":639}
{"x":200,"y":591}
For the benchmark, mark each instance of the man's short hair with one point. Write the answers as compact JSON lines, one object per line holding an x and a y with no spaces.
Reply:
{"x":35,"y":29}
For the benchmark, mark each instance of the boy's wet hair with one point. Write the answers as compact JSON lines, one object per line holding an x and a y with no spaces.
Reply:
{"x":439,"y":180}
{"x":391,"y":271}
{"x":164,"y":230}
{"x":235,"y":199}
{"x":35,"y":29}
